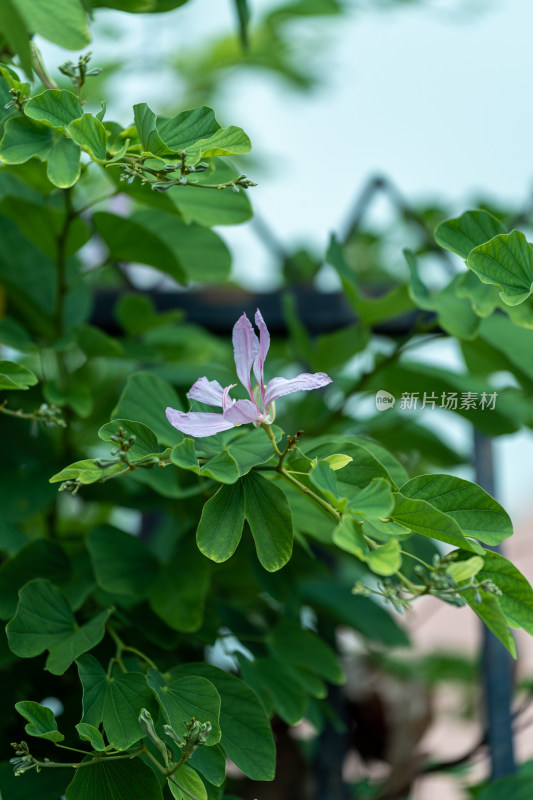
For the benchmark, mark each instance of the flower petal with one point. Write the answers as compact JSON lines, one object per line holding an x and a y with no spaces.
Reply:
{"x":278,"y":387}
{"x":210,"y":392}
{"x":245,"y":349}
{"x":198,"y":423}
{"x":264,"y":344}
{"x":241,"y":412}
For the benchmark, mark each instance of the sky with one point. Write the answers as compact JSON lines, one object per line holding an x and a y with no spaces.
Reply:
{"x":431,"y":95}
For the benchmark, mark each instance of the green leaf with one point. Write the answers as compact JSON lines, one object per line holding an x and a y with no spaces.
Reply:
{"x":63,"y":22}
{"x":44,"y":621}
{"x":13,"y":28}
{"x":269,"y":517}
{"x":23,"y":139}
{"x":146,"y":124}
{"x":246,"y":733}
{"x":41,"y":721}
{"x":516,"y":600}
{"x":211,"y":762}
{"x":55,"y":107}
{"x":199,"y":251}
{"x":38,"y":559}
{"x":422,"y":517}
{"x":178,"y":596}
{"x":222,"y":467}
{"x":386,"y":559}
{"x":86,"y":472}
{"x":198,"y":132}
{"x":325,"y":479}
{"x":191,"y":783}
{"x":122,"y":563}
{"x":145,"y":440}
{"x":116,"y":701}
{"x":144,"y":399}
{"x":131,"y":779}
{"x":15,"y":376}
{"x":464,"y":570}
{"x":128,"y":240}
{"x":383,"y":560}
{"x":185,"y":697}
{"x":302,"y":648}
{"x":220,"y":528}
{"x":374,"y":501}
{"x":462,"y":234}
{"x":88,"y":733}
{"x":512,"y":787}
{"x":476,"y":512}
{"x":89,"y":134}
{"x":490,"y":612}
{"x":63,"y":161}
{"x":507,"y":262}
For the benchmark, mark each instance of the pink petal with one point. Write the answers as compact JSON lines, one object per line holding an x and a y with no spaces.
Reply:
{"x":245,"y":349}
{"x":278,"y":387}
{"x":210,"y":392}
{"x":241,"y":412}
{"x":264,"y":344}
{"x":197,"y":424}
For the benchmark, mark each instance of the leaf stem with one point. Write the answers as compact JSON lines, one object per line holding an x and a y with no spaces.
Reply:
{"x":325,"y":505}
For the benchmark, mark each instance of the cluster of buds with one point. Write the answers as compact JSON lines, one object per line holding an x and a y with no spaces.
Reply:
{"x":196,"y":735}
{"x":23,"y":761}
{"x":79,"y":72}
{"x":124,"y":443}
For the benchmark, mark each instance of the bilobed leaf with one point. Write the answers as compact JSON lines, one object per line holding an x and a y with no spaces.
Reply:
{"x":15,"y":376}
{"x":220,"y":528}
{"x":23,"y":139}
{"x":464,"y":570}
{"x":41,"y":721}
{"x":269,"y":516}
{"x":146,"y":124}
{"x":211,"y":762}
{"x":473,"y":509}
{"x":54,"y":107}
{"x":246,"y":733}
{"x":63,"y":22}
{"x":386,"y":559}
{"x":507,"y":262}
{"x":122,"y":563}
{"x":131,"y":779}
{"x":222,"y":467}
{"x":423,"y":517}
{"x":383,"y":559}
{"x":188,"y":780}
{"x":114,"y":700}
{"x":128,"y":240}
{"x":462,"y":234}
{"x":44,"y":621}
{"x":145,"y":398}
{"x":185,"y":697}
{"x":325,"y":479}
{"x":145,"y":439}
{"x":89,"y":134}
{"x":374,"y":501}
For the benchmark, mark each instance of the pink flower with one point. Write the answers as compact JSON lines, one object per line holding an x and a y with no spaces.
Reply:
{"x":249,"y":353}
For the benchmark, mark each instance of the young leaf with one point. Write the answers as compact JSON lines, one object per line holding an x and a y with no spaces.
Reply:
{"x":88,"y":733}
{"x":516,"y":600}
{"x":41,"y":721}
{"x":220,"y":528}
{"x":89,"y":134}
{"x":186,"y":784}
{"x":269,"y":516}
{"x":490,"y":612}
